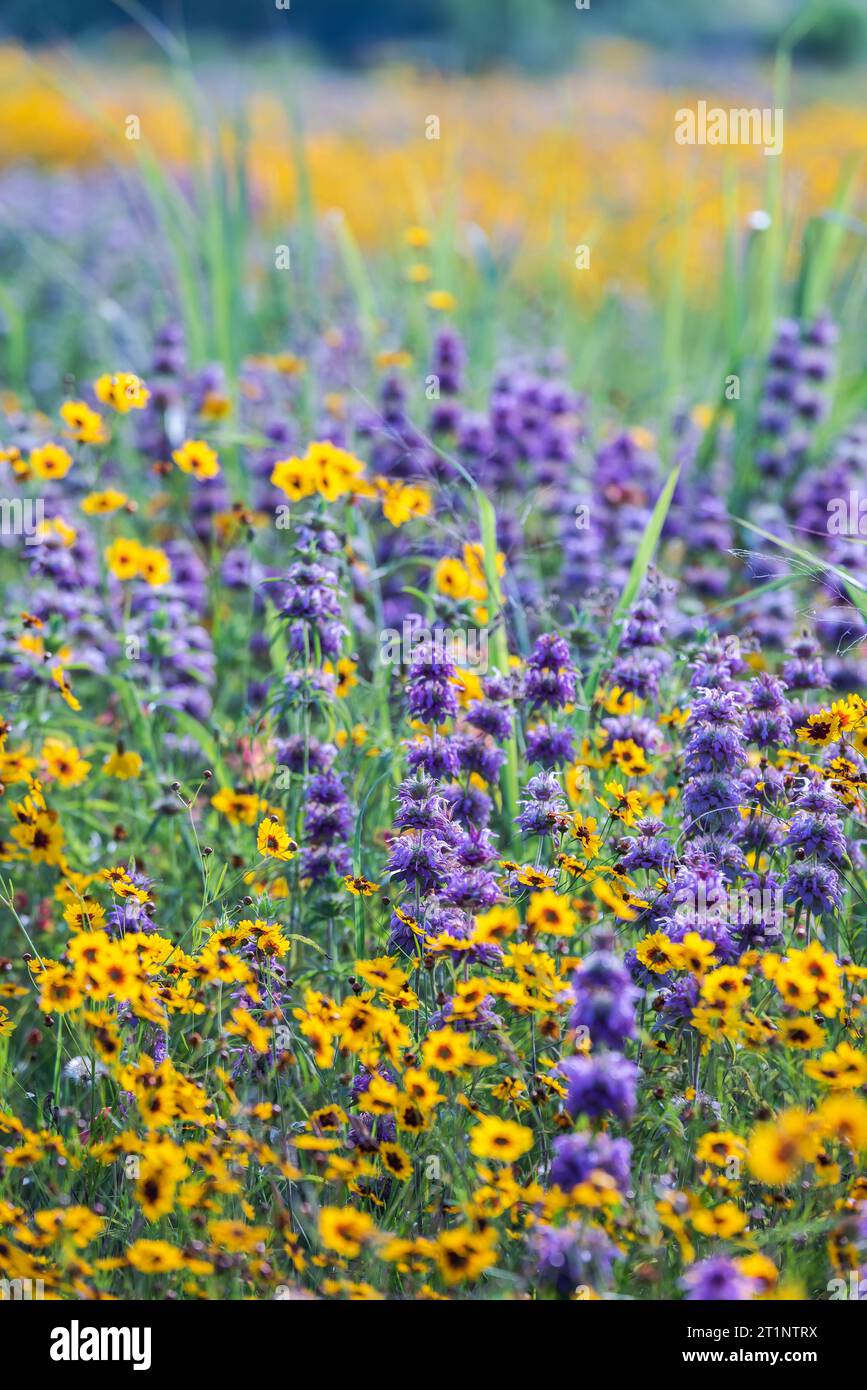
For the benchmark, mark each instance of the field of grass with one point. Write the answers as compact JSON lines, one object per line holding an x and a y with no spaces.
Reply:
{"x":433,"y":716}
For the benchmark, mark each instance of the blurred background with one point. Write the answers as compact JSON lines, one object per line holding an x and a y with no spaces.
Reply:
{"x":464,"y":34}
{"x":424,"y":161}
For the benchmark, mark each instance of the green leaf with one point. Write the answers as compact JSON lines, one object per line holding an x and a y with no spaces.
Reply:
{"x":855,"y":589}
{"x":305,"y":941}
{"x":640,"y":565}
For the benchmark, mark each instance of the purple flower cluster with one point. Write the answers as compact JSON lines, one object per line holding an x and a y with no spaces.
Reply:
{"x":549,"y":678}
{"x":573,"y":1256}
{"x":328,"y":821}
{"x":604,"y":996}
{"x":795,"y":396}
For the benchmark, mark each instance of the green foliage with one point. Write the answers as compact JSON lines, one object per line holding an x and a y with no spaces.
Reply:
{"x":839,"y":36}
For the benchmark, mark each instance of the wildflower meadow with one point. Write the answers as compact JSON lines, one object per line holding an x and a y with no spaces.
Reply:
{"x":433,"y":677}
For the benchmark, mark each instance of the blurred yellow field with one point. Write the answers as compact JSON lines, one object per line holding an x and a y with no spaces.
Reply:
{"x":536,"y":166}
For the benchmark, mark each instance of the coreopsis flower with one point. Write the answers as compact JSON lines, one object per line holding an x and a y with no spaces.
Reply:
{"x":720,"y":1147}
{"x":551,"y":912}
{"x":401,"y":502}
{"x":273,"y":841}
{"x":60,"y":991}
{"x":123,"y":558}
{"x":725,"y":987}
{"x":239,"y":808}
{"x":123,"y":764}
{"x":451,"y":578}
{"x":243,"y":1025}
{"x":41,"y":837}
{"x":725,"y":1220}
{"x":360,"y":887}
{"x":50,"y":461}
{"x":154,"y":566}
{"x":61,"y":680}
{"x":237,"y":1236}
{"x":417,"y":236}
{"x":843,"y":1069}
{"x":496,"y":925}
{"x":154,"y":1256}
{"x":103,"y":503}
{"x":198,"y":458}
{"x":625,"y":804}
{"x":820,"y":729}
{"x":345,"y":1230}
{"x":105,"y":1035}
{"x":345,"y":677}
{"x":83,"y":424}
{"x":448,"y":1051}
{"x":802,"y":1032}
{"x":500,"y":1139}
{"x":778,"y":1148}
{"x":295,"y":477}
{"x":64,"y":762}
{"x":84,"y":915}
{"x":844,"y":1117}
{"x":395,"y":1161}
{"x":630,"y":758}
{"x":336,"y":472}
{"x":462,"y":1254}
{"x":695,"y":953}
{"x":123,"y":391}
